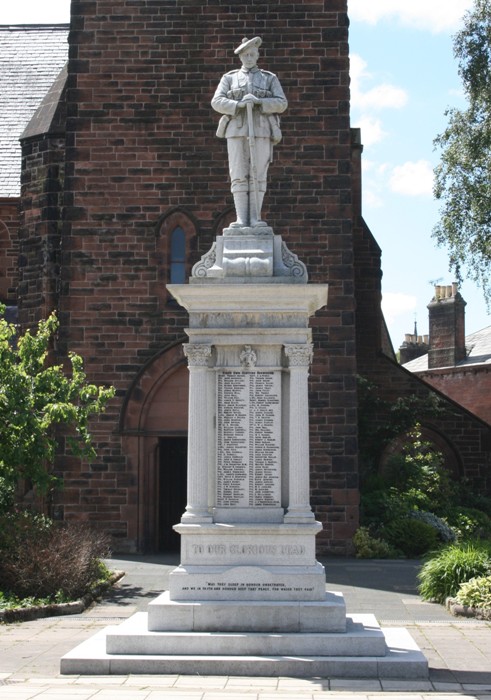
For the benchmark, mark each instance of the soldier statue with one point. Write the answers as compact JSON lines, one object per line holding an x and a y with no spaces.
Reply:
{"x":250,"y":100}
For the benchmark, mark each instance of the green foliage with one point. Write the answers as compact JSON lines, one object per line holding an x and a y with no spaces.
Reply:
{"x":37,"y":397}
{"x":472,"y":497}
{"x":475,"y":593}
{"x":8,"y":601}
{"x":383,"y":505}
{"x":441,"y":576}
{"x":469,"y":522}
{"x":445,"y":532}
{"x":369,"y":547}
{"x":380,"y":421}
{"x":463,"y":176}
{"x":43,"y":559}
{"x":419,"y":472}
{"x":412,"y":537}
{"x":414,"y":483}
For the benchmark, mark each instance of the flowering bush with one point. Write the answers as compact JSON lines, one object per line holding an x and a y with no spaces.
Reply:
{"x":445,"y":532}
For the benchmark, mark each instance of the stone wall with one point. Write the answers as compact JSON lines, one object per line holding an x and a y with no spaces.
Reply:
{"x":142,"y":158}
{"x":9,"y":225}
{"x":40,"y":226}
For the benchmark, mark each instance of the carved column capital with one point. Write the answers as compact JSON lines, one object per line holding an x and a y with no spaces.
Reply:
{"x":197,"y":354}
{"x":299,"y":355}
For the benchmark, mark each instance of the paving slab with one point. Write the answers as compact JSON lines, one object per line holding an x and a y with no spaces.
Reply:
{"x":458,"y":650}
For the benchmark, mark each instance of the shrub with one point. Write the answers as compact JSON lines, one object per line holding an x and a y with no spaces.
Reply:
{"x":475,"y":593}
{"x":368,"y":547}
{"x":445,"y":532}
{"x":412,"y":537}
{"x":42,"y":559}
{"x":469,"y":522}
{"x":382,"y":506}
{"x":441,"y":576}
{"x":472,"y":496}
{"x":38,"y":399}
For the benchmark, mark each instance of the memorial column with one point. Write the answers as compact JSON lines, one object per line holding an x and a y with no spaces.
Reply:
{"x":197,"y":490}
{"x":299,"y":357}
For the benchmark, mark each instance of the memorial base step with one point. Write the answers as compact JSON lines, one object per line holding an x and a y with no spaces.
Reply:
{"x":328,"y":615}
{"x":402,"y":660}
{"x":363,"y":637}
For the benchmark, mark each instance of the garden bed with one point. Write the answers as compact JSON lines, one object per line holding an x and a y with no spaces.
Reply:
{"x":75,"y":607}
{"x":459,"y":610}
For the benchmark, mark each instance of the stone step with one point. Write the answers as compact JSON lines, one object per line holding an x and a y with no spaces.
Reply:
{"x":167,"y":615}
{"x":403,"y":660}
{"x":363,"y":637}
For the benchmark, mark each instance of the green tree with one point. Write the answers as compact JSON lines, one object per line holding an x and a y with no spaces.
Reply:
{"x":463,"y":176}
{"x":36,"y":399}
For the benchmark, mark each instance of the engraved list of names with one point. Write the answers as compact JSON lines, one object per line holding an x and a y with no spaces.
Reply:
{"x":248,"y":439}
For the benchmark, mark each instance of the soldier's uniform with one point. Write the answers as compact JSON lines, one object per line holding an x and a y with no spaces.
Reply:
{"x":234,"y":123}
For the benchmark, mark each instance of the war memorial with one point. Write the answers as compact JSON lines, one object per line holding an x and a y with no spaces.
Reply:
{"x":249,"y":596}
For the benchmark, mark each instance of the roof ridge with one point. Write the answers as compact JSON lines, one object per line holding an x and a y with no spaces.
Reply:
{"x":54,"y":25}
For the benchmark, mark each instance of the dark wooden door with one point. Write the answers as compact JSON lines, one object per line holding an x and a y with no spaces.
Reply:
{"x":171,"y":490}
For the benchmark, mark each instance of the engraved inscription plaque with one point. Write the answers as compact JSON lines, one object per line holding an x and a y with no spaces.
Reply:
{"x":248,"y":439}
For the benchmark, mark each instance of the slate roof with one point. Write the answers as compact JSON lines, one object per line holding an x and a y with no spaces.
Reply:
{"x":478,"y":347}
{"x":31,"y":58}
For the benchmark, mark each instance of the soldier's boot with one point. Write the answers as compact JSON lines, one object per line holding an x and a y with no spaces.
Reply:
{"x":241,"y":201}
{"x":255,"y":216}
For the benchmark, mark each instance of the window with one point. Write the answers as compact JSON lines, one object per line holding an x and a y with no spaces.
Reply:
{"x":177,"y":265}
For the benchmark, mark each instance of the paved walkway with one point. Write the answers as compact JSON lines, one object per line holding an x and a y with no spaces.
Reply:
{"x":458,"y":651}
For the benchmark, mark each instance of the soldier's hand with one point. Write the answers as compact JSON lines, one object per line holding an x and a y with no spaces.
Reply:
{"x":249,"y":98}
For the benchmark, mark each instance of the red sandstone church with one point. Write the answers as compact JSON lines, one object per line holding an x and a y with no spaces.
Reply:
{"x":118,"y":186}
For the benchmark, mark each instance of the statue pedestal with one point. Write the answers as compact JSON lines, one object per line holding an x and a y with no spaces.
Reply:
{"x":251,"y":344}
{"x":249,"y":597}
{"x":249,"y":255}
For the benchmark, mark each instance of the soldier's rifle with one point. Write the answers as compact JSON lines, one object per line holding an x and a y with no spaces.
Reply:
{"x":252,"y":152}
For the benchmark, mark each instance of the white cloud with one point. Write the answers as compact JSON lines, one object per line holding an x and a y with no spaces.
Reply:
{"x":371,"y":130}
{"x":371,"y":200}
{"x":34,"y":12}
{"x":382,"y":96}
{"x":395,"y":304}
{"x":368,"y":103}
{"x":429,"y":15}
{"x":413,"y":178}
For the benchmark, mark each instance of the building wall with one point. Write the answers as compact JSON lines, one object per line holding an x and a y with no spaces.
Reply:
{"x":40,"y":226}
{"x":468,"y":386}
{"x":463,"y":438}
{"x":9,"y":251}
{"x":141,"y":159}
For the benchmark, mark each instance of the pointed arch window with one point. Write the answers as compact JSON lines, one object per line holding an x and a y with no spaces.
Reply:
{"x":177,"y":267}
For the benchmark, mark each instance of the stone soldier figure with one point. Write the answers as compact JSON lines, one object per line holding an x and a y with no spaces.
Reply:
{"x":250,"y":100}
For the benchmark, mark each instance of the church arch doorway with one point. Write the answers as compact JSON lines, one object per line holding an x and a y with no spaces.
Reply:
{"x":154,"y":427}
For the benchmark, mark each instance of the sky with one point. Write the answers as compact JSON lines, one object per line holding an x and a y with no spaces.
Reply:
{"x":403,"y":78}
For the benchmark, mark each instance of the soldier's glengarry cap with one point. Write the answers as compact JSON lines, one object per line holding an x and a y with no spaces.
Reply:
{"x":246,"y":43}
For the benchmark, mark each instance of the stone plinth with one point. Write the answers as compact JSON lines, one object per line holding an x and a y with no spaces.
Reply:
{"x":249,"y":596}
{"x":253,"y":254}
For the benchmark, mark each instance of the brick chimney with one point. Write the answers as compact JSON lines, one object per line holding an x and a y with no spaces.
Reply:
{"x":447,"y":327}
